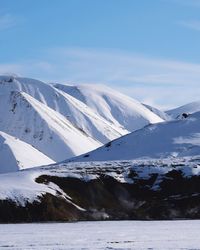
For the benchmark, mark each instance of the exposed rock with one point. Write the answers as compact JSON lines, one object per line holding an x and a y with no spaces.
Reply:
{"x":172,"y":195}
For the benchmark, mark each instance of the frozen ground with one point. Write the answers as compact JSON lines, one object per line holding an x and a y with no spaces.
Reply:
{"x":102,"y":235}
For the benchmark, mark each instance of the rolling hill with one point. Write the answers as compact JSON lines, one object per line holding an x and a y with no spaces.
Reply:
{"x":175,"y":138}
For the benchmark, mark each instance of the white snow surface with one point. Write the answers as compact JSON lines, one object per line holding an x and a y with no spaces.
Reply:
{"x":33,"y":122}
{"x":78,"y":113}
{"x":115,"y":107}
{"x":189,"y":108}
{"x":175,"y":138}
{"x":16,"y":154}
{"x":101,"y":235}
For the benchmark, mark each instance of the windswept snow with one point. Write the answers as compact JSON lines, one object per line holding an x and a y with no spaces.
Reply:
{"x":174,"y":138}
{"x":35,"y":123}
{"x":189,"y":108}
{"x":16,"y":154}
{"x":120,"y":110}
{"x":78,"y":113}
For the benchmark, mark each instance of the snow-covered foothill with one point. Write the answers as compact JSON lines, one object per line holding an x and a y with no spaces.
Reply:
{"x":174,"y":138}
{"x":16,"y":154}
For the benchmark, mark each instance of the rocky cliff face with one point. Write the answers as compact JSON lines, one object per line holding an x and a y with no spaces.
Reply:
{"x":120,"y":191}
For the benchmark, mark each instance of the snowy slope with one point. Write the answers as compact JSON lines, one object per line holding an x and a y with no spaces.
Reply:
{"x":163,"y":115}
{"x":75,"y":111}
{"x":119,"y":109}
{"x":189,"y":108}
{"x":174,"y":138}
{"x":31,"y":121}
{"x":16,"y":154}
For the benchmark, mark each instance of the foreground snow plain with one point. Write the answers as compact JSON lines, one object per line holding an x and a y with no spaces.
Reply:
{"x":138,"y":235}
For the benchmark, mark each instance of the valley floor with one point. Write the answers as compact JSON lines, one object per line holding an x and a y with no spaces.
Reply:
{"x":138,"y":235}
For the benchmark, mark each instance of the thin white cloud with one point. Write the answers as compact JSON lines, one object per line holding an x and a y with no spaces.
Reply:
{"x":11,"y":68}
{"x":7,"y":21}
{"x":165,"y":83}
{"x":162,"y":97}
{"x":192,"y":3}
{"x":116,"y":66}
{"x":193,"y":24}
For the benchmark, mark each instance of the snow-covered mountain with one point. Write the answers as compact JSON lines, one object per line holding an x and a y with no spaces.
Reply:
{"x":170,"y":139}
{"x":80,"y":115}
{"x":117,"y":108}
{"x":35,"y":123}
{"x":189,"y":108}
{"x":16,"y":154}
{"x":150,"y":173}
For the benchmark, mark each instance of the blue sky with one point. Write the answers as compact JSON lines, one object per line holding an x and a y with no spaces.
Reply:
{"x":148,"y":49}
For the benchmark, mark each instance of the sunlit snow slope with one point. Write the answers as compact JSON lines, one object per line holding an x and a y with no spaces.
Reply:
{"x":174,"y":138}
{"x":80,"y":115}
{"x":63,"y":122}
{"x":31,"y":121}
{"x":189,"y":108}
{"x":15,"y":154}
{"x":117,"y":108}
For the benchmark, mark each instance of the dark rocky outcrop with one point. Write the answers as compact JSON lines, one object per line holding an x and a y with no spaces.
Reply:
{"x":105,"y":198}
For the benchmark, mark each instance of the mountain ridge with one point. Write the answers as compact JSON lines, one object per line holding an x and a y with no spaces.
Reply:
{"x":115,"y":107}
